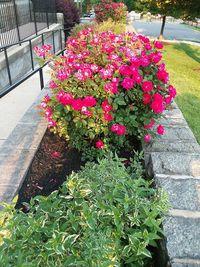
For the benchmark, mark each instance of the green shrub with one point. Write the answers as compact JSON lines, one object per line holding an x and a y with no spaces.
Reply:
{"x":108,"y":25}
{"x":102,"y":216}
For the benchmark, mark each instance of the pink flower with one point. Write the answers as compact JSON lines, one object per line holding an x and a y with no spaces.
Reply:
{"x":160,"y":130}
{"x":155,"y":57}
{"x":172,"y":91}
{"x":106,"y":106}
{"x":147,"y":86}
{"x":62,"y":75}
{"x":157,"y":104}
{"x":99,"y":144}
{"x":162,"y":75}
{"x":119,"y":129}
{"x":125,"y":70}
{"x":111,"y":87}
{"x":137,"y":78}
{"x":95,"y":68}
{"x":86,"y":112}
{"x":77,"y":104}
{"x":146,"y":98}
{"x":128,"y":83}
{"x":147,"y":138}
{"x":52,"y":85}
{"x":149,"y":125}
{"x":56,"y":154}
{"x":48,"y":112}
{"x":107,"y":48}
{"x":144,"y":61}
{"x":46,"y":98}
{"x":148,"y":46}
{"x":89,"y":101}
{"x":158,"y":45}
{"x":106,"y":73}
{"x":107,"y":117}
{"x":51,"y":123}
{"x":135,"y":60}
{"x":64,"y":98}
{"x":168,"y":100}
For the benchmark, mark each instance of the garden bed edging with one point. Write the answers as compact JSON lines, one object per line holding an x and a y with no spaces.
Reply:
{"x":18,"y":150}
{"x":174,"y":162}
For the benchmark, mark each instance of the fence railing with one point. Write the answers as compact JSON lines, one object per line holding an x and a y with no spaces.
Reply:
{"x":56,"y":38}
{"x":20,"y":19}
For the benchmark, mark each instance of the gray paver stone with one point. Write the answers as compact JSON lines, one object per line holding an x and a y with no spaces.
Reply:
{"x":185,"y":263}
{"x":167,"y":146}
{"x":183,"y":194}
{"x":183,"y":235}
{"x":174,"y":163}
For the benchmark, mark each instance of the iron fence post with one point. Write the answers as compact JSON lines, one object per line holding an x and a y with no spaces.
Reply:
{"x":16,"y":20}
{"x":47,"y":17}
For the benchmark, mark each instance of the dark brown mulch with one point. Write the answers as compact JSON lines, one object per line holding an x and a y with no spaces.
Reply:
{"x":53,"y":161}
{"x":51,"y":164}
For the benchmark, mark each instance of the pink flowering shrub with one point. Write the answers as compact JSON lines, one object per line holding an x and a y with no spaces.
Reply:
{"x":106,"y":88}
{"x":107,"y":9}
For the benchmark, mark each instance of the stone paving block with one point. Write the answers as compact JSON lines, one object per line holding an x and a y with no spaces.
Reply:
{"x":7,"y":193}
{"x":176,"y":146}
{"x":14,"y":166}
{"x":174,"y":163}
{"x":183,"y":235}
{"x":177,"y":134}
{"x":24,"y":136}
{"x":183,"y":194}
{"x":185,"y":263}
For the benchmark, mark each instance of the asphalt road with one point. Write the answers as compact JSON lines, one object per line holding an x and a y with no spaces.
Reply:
{"x":172,"y":31}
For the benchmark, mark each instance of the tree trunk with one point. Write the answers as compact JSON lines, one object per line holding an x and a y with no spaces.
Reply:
{"x":162,"y":28}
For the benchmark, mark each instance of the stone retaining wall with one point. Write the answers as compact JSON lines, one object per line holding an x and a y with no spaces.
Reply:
{"x":174,"y":163}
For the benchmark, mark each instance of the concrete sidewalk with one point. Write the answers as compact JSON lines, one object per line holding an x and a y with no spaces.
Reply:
{"x":14,"y":105}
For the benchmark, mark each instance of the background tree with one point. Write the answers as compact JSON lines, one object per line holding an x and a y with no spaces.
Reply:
{"x":175,"y":8}
{"x":70,"y":11}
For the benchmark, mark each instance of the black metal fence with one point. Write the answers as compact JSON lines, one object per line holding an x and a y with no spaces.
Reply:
{"x":20,"y":19}
{"x":9,"y":79}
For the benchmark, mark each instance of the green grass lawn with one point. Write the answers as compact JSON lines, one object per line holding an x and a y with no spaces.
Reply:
{"x":183,"y":65}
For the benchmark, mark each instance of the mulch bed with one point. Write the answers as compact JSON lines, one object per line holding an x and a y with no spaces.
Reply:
{"x":53,"y":161}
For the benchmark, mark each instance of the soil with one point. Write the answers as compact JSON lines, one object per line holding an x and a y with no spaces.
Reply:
{"x":53,"y":161}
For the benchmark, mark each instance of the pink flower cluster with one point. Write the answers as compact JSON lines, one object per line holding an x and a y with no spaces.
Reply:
{"x":100,"y":76}
{"x":42,"y":51}
{"x":108,"y":9}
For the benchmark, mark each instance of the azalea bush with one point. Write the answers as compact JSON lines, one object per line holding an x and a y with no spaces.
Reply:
{"x":107,"y":9}
{"x":101,"y":216}
{"x":106,"y":88}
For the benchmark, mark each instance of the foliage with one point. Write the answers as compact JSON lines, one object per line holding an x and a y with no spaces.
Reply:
{"x":101,"y":216}
{"x":70,"y":11}
{"x":186,"y":78}
{"x":105,"y":88}
{"x":108,"y":25}
{"x":175,"y":8}
{"x":107,"y":9}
